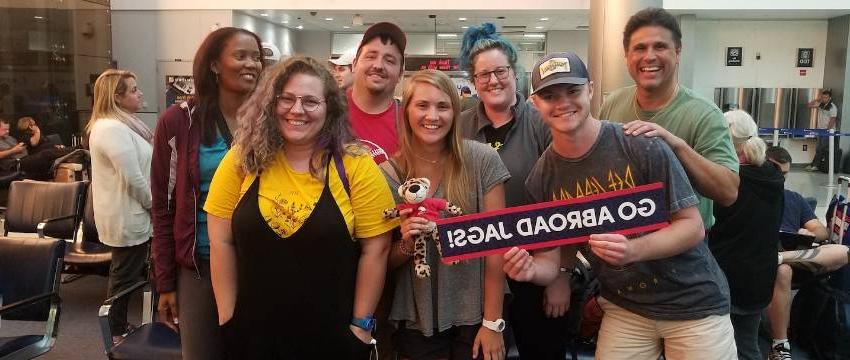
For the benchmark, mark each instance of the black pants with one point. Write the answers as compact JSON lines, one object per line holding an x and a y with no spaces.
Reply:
{"x":537,"y":336}
{"x":129,"y":265}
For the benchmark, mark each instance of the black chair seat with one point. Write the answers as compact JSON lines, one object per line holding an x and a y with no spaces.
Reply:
{"x":11,"y":344}
{"x":6,"y":178}
{"x":88,"y":253}
{"x":149,"y":341}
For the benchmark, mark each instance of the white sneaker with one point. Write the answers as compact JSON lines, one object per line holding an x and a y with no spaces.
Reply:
{"x":781,"y":351}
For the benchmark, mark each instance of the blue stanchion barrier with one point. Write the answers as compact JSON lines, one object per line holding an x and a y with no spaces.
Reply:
{"x":800,"y":132}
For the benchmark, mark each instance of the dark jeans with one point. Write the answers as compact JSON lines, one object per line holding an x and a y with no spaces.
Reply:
{"x":454,"y":343}
{"x":198,"y":313}
{"x":746,"y":326}
{"x":822,"y":150}
{"x":128,"y":267}
{"x":537,"y":336}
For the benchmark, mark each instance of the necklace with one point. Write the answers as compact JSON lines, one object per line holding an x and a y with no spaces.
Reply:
{"x":432,"y":162}
{"x":635,"y":105}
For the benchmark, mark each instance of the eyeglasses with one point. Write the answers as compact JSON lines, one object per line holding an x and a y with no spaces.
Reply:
{"x":483,"y":77}
{"x":309,"y":103}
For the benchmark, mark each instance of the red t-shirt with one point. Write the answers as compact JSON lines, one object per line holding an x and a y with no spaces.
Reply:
{"x":429,"y":208}
{"x":376,"y":131}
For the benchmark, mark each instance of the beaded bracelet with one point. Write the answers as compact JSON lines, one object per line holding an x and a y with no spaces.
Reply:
{"x":404,"y":250}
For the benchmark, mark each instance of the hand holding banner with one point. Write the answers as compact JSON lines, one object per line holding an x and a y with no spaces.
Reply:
{"x":631,"y":211}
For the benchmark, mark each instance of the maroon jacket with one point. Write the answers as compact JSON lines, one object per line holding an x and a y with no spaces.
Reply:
{"x":175,"y":187}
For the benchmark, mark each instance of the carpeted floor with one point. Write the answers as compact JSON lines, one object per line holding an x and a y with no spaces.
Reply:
{"x":79,"y":331}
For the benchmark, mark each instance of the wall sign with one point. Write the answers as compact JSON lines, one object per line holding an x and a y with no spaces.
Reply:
{"x":434,"y":63}
{"x":554,"y":223}
{"x":805,"y":57}
{"x":734,"y":56}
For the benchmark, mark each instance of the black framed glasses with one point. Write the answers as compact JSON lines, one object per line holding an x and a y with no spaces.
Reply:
{"x":309,"y":103}
{"x":483,"y":77}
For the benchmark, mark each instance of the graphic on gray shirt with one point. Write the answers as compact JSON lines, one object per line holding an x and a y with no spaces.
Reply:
{"x":456,"y":290}
{"x":683,"y":287}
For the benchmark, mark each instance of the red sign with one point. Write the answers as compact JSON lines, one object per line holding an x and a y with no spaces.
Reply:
{"x":802,"y":72}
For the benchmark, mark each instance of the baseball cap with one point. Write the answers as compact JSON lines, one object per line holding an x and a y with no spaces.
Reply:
{"x":345,"y":59}
{"x":559,"y":68}
{"x":388,"y":29}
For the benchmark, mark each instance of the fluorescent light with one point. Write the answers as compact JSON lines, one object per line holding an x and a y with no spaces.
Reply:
{"x":264,"y":14}
{"x":534,"y":36}
{"x":300,"y":27}
{"x":544,"y":19}
{"x":538,"y":27}
{"x":38,"y":17}
{"x":346,"y":27}
{"x":447,"y":35}
{"x":285,"y":22}
{"x":461,"y":19}
{"x":464,"y":27}
{"x":329,"y":19}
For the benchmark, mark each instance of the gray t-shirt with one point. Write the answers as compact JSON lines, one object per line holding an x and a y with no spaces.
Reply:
{"x":456,"y":290}
{"x":682,"y":287}
{"x":524,"y":142}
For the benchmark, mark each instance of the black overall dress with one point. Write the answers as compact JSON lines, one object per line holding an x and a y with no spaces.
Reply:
{"x":294,"y":295}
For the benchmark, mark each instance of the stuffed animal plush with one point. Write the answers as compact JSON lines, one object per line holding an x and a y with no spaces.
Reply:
{"x":415,"y":195}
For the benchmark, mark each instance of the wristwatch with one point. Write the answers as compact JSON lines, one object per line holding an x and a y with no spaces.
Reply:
{"x":497,"y":326}
{"x":366,"y":323}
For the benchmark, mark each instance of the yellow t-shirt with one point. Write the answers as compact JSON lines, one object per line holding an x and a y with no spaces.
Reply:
{"x":287,"y":197}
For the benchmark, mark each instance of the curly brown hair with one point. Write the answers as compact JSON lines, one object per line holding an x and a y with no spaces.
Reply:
{"x":259,"y":138}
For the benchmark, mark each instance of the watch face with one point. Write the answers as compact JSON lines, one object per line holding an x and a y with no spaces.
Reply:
{"x":500,"y":324}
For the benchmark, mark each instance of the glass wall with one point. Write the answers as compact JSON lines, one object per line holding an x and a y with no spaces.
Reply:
{"x":51,"y":51}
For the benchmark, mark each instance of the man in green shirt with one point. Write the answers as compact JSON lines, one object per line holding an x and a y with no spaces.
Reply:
{"x":658,"y":106}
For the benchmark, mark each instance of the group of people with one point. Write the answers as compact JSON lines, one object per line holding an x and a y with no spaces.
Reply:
{"x":264,"y":198}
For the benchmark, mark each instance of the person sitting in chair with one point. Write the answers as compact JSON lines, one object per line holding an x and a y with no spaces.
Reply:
{"x":34,"y":165}
{"x":797,"y":217}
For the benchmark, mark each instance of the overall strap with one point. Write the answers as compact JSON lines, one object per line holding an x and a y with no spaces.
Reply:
{"x":340,"y":170}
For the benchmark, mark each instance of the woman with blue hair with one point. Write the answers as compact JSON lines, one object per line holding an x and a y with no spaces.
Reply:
{"x":509,"y":124}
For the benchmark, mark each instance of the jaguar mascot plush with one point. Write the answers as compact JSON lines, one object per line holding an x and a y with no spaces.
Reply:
{"x":415,"y":195}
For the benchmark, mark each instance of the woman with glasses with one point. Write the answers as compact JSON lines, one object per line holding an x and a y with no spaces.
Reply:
{"x":298,"y":240}
{"x":504,"y":120}
{"x":455,"y":313}
{"x":120,"y":146}
{"x":745,"y":237}
{"x":191,"y":139}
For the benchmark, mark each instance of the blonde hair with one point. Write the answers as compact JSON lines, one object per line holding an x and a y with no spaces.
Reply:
{"x":456,"y":180}
{"x":25,"y":122}
{"x":259,"y":139}
{"x":110,"y":83}
{"x":744,"y":132}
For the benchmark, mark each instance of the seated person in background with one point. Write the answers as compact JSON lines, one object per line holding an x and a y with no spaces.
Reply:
{"x":31,"y":137}
{"x":36,"y":165}
{"x":10,"y":148}
{"x":797,"y":217}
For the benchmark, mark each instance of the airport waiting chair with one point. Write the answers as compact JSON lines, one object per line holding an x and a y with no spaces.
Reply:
{"x":149,"y":341}
{"x":44,"y":208}
{"x":29,"y":285}
{"x":87,"y":255}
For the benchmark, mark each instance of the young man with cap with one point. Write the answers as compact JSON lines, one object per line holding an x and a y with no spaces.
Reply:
{"x":660,"y":291}
{"x":657,"y":105}
{"x":372,"y":111}
{"x":341,"y":69}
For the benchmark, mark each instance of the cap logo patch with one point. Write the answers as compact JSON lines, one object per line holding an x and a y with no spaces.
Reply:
{"x":554,"y":65}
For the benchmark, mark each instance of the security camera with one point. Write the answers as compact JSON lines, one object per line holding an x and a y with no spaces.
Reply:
{"x":432,"y":16}
{"x":313,"y":13}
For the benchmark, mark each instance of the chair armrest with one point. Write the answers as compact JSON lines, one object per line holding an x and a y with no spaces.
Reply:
{"x":103,"y":313}
{"x":29,"y":301}
{"x":43,"y":224}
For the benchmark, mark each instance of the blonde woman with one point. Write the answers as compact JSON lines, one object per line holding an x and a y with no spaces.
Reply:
{"x":120,"y":145}
{"x":298,"y":241}
{"x":457,"y":312}
{"x":745,"y":237}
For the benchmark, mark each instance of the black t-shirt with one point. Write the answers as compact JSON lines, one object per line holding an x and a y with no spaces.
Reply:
{"x":496,"y":136}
